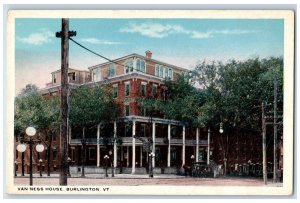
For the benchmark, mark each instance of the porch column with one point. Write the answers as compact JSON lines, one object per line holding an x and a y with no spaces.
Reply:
{"x":115,"y":144}
{"x":133,"y":147}
{"x":169,"y":145}
{"x":208,"y":145}
{"x":141,"y":156}
{"x":183,"y":145}
{"x":98,"y":145}
{"x":197,"y":144}
{"x":70,"y":135}
{"x":127,"y":157}
{"x":153,"y":147}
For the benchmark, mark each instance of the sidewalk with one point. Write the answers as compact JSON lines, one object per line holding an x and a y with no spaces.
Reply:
{"x":100,"y":176}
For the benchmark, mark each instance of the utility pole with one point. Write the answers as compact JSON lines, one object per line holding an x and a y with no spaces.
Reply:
{"x":264,"y":148}
{"x":275,"y":130}
{"x":64,"y":34}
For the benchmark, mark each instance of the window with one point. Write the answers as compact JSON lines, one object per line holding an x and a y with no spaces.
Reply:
{"x":115,"y":90}
{"x":111,"y":70}
{"x":143,"y":66}
{"x":54,"y":153}
{"x":140,"y":65}
{"x":143,"y":89}
{"x":127,"y":89}
{"x":127,"y":110}
{"x":165,"y":72}
{"x":161,"y":71}
{"x":157,"y":70}
{"x":170,"y":74}
{"x":92,"y":153}
{"x":72,"y":76}
{"x":72,"y":154}
{"x":128,"y":66}
{"x":143,"y":111}
{"x":96,"y":74}
{"x":143,"y":130}
{"x":154,"y":89}
{"x":54,"y":78}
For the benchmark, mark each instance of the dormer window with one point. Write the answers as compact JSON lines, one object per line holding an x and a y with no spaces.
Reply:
{"x":111,"y":70}
{"x":157,"y":70}
{"x":140,"y":65}
{"x":161,"y":71}
{"x":54,"y":78}
{"x":96,"y":74}
{"x":128,"y":66}
{"x":170,"y":74}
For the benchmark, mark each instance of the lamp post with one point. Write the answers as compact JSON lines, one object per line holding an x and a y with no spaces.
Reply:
{"x":21,"y":148}
{"x":30,"y":131}
{"x":151,"y":155}
{"x":16,"y":164}
{"x":224,"y":160}
{"x":249,"y":164}
{"x":40,"y":161}
{"x":112,"y":165}
{"x":192,"y":160}
{"x":69,"y":162}
{"x":106,"y":161}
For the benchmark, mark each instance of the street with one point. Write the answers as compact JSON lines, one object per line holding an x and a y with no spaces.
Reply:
{"x":137,"y":180}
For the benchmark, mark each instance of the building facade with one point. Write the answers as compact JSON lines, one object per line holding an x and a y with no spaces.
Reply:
{"x":129,"y":140}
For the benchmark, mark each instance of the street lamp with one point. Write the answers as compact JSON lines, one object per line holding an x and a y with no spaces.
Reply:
{"x":151,"y":155}
{"x":221,"y":128}
{"x":112,"y":165}
{"x":249,"y":164}
{"x":40,"y":161}
{"x":21,"y":148}
{"x":30,"y":131}
{"x":16,"y":164}
{"x":69,"y":162}
{"x":106,"y":160}
{"x":192,"y":159}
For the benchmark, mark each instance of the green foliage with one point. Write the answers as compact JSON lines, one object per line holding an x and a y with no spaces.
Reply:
{"x":90,"y":106}
{"x":236,"y":88}
{"x":31,"y":109}
{"x":227,"y":93}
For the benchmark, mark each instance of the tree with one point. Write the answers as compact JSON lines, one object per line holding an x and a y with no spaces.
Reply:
{"x":90,"y":106}
{"x":31,"y":109}
{"x":234,"y":91}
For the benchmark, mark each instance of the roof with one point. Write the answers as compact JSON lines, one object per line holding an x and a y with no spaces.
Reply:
{"x":142,"y":57}
{"x":69,"y":69}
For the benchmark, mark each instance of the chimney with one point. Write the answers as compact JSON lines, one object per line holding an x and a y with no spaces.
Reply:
{"x":148,"y":54}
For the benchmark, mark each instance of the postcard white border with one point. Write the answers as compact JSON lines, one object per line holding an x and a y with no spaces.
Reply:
{"x":288,"y":131}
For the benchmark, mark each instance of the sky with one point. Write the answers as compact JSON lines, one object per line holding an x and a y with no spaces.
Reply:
{"x":181,"y":42}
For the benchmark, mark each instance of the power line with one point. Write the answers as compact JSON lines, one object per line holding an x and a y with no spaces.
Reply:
{"x":94,"y":52}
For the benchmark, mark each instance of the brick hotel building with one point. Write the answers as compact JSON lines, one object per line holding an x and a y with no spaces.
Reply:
{"x":133,"y":77}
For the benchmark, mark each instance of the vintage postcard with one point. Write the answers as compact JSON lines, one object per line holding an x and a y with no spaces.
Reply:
{"x":150,"y":102}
